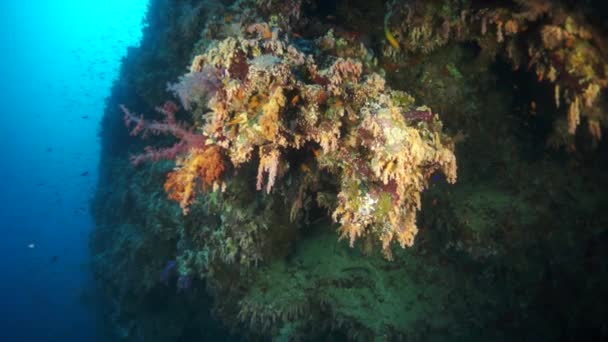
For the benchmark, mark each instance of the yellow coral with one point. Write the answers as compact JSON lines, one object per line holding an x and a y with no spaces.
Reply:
{"x":269,"y":121}
{"x":574,"y":115}
{"x":595,"y":130}
{"x":404,"y":158}
{"x":553,"y":36}
{"x":511,"y":27}
{"x":590,"y":94}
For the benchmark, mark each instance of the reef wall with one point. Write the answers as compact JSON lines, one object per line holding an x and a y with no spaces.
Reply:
{"x":355,"y":170}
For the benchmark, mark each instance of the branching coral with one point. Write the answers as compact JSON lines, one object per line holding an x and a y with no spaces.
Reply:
{"x":187,"y":139}
{"x":198,"y":164}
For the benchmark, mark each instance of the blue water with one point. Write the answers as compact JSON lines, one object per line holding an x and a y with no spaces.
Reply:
{"x":57,"y":63}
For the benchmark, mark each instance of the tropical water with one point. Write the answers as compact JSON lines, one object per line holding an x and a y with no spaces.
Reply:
{"x":304,"y":170}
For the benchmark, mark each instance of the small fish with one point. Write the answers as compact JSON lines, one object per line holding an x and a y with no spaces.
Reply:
{"x":294,"y":100}
{"x":241,"y":119}
{"x":31,"y":245}
{"x":84,"y":174}
{"x":389,"y":36}
{"x":54,"y":258}
{"x":84,"y":117}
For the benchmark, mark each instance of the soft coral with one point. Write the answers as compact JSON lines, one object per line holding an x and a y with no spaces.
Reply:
{"x":199,"y":166}
{"x":188,"y":140}
{"x":199,"y":170}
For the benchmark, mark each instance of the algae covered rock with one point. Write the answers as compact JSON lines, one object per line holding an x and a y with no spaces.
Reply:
{"x":299,"y":181}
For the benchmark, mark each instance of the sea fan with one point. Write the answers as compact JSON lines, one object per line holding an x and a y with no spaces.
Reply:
{"x":195,"y":88}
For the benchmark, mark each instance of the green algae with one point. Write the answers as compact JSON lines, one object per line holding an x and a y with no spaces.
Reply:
{"x":418,"y":295}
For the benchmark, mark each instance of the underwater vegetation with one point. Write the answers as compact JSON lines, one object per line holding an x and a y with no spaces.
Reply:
{"x":293,"y":175}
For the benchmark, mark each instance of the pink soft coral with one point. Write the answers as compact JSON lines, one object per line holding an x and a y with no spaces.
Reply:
{"x":188,"y":140}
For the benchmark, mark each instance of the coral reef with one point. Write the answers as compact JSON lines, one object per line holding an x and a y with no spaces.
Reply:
{"x":378,"y":146}
{"x":547,"y":38}
{"x":294,"y":120}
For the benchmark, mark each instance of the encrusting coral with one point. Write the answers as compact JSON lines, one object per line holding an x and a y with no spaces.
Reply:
{"x":316,"y":115}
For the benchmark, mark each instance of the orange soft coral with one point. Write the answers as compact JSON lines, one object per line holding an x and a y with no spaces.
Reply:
{"x":201,"y":169}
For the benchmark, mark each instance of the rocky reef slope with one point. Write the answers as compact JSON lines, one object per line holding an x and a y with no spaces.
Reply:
{"x":356,"y":170}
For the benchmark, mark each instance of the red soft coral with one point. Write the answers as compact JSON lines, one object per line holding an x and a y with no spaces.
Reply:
{"x":188,"y":140}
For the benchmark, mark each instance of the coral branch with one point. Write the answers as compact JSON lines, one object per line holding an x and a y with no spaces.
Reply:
{"x":187,"y":139}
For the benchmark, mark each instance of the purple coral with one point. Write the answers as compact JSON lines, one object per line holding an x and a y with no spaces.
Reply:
{"x":167,"y":272}
{"x":196,"y":87}
{"x":184,"y":282}
{"x":419,"y":115}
